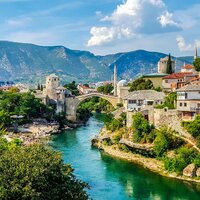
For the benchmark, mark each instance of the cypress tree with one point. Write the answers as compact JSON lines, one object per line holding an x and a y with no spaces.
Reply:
{"x":169,"y":65}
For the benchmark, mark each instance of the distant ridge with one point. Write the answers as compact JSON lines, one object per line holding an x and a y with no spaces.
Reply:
{"x":31,"y":63}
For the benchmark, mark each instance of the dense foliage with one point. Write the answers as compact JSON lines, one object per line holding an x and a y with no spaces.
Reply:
{"x":166,"y":140}
{"x":72,"y":87}
{"x":183,"y":157}
{"x":95,"y":104}
{"x":13,"y":103}
{"x":141,"y":127}
{"x":141,"y":84}
{"x":113,"y":124}
{"x":169,"y":102}
{"x":193,"y":127}
{"x":37,"y":172}
{"x":105,"y":89}
{"x":197,"y":64}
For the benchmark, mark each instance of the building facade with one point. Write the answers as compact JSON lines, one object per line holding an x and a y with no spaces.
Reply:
{"x":188,"y":101}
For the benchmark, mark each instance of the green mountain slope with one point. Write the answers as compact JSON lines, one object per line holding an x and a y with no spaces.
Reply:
{"x":31,"y":63}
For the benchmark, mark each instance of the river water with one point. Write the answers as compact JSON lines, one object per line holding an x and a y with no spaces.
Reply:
{"x":114,"y":179}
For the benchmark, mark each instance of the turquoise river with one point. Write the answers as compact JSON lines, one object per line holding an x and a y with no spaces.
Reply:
{"x":115,"y":179}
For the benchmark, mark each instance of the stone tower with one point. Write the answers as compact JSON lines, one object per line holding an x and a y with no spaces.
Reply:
{"x":162,"y":65}
{"x":115,"y":80}
{"x":52,"y":82}
{"x":195,"y":53}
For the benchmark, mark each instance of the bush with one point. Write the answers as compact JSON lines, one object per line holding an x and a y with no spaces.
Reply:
{"x":140,"y":127}
{"x":160,"y":144}
{"x":193,"y":127}
{"x":184,"y":157}
{"x":37,"y":172}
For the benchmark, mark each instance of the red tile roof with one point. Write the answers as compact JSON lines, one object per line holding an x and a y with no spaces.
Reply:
{"x":177,"y":75}
{"x":188,"y":67}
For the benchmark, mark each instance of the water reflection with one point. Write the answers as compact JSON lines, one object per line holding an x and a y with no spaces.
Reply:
{"x":114,"y":179}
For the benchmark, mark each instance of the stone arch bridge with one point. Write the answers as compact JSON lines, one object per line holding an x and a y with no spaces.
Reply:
{"x":72,"y":103}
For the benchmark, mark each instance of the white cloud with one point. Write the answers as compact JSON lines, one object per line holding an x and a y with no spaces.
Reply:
{"x":167,"y":19}
{"x":132,"y":17}
{"x":182,"y":44}
{"x":103,"y":35}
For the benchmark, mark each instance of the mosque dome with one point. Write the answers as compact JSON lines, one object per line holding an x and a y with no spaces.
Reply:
{"x":122,"y":83}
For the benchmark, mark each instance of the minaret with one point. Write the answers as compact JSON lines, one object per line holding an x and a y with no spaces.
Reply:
{"x":195,"y":53}
{"x":115,"y":80}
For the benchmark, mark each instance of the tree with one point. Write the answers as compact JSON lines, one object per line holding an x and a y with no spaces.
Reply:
{"x":194,"y":126}
{"x":141,"y":84}
{"x":160,"y":143}
{"x":105,"y":89}
{"x":140,"y":127}
{"x":197,"y":64}
{"x":169,"y":65}
{"x":37,"y":172}
{"x":72,"y":87}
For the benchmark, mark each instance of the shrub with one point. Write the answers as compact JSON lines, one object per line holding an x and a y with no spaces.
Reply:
{"x":37,"y":172}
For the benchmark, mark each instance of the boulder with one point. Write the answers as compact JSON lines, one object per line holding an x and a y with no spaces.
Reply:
{"x":198,"y":172}
{"x":190,"y":170}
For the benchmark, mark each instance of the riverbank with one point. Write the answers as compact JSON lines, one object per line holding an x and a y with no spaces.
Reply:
{"x":152,"y":164}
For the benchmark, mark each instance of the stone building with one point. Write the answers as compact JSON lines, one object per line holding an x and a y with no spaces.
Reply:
{"x":162,"y":65}
{"x":53,"y":93}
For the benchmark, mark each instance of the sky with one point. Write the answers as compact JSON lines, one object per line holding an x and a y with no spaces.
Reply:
{"x":104,"y":26}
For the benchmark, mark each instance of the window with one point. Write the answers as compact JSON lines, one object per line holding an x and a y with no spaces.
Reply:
{"x":166,"y":81}
{"x":185,"y":104}
{"x":132,"y":101}
{"x":181,"y":104}
{"x":186,"y":95}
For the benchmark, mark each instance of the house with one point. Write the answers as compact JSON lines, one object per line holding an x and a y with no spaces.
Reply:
{"x":138,"y":100}
{"x":85,"y":90}
{"x":188,"y":101}
{"x":177,"y":80}
{"x":195,"y":81}
{"x":188,"y":68}
{"x":155,"y":78}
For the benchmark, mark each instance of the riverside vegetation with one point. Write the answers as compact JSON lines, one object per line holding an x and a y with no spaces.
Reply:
{"x":144,"y":139}
{"x":34,"y":171}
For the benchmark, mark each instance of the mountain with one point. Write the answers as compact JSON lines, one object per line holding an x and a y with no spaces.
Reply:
{"x":30,"y":63}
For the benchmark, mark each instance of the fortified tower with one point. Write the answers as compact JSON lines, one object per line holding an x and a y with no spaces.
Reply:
{"x":162,"y":65}
{"x":52,"y":83}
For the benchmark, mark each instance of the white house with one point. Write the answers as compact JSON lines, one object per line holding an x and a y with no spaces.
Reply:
{"x":188,"y":101}
{"x":138,"y":100}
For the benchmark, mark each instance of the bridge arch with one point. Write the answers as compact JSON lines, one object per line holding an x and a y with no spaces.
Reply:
{"x":72,"y":105}
{"x":111,"y":99}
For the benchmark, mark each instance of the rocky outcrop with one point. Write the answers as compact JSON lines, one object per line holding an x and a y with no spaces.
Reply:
{"x":190,"y":170}
{"x":198,"y":172}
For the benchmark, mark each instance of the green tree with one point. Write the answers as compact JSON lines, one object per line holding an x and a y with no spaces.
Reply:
{"x":160,"y":143}
{"x":169,"y":65}
{"x":141,"y":84}
{"x":141,"y":127}
{"x":197,"y":64}
{"x":37,"y":172}
{"x":72,"y":87}
{"x":105,"y":89}
{"x":194,"y":126}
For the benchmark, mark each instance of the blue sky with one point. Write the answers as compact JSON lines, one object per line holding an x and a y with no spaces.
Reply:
{"x":104,"y":26}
